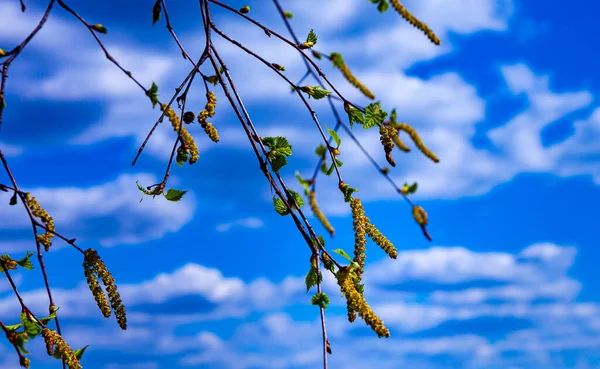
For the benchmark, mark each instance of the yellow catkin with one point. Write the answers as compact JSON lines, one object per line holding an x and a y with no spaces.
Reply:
{"x":37,"y":211}
{"x":338,"y":62}
{"x":359,"y":225}
{"x":211,"y":131}
{"x":420,"y":215}
{"x":417,"y":140}
{"x":414,"y":21}
{"x":53,"y":338}
{"x":187,"y":139}
{"x":358,"y":303}
{"x":385,"y":137}
{"x":93,"y":262}
{"x":312,"y":200}
{"x":401,"y":145}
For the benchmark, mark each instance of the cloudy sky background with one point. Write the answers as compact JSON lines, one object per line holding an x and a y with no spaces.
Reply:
{"x":509,"y":103}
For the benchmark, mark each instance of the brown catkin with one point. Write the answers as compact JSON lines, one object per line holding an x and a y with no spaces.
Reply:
{"x":37,"y":211}
{"x":53,"y":338}
{"x":358,"y":303}
{"x":187,"y":139}
{"x":312,"y":200}
{"x":93,"y":262}
{"x":359,"y":223}
{"x":414,"y":21}
{"x":338,"y":62}
{"x":385,"y":137}
{"x":417,"y":140}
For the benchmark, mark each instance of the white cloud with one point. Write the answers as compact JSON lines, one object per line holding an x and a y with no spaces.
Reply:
{"x":79,"y":209}
{"x":10,"y":150}
{"x":250,"y":222}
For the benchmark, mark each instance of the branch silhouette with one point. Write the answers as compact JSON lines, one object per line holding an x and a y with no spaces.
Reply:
{"x":270,"y":152}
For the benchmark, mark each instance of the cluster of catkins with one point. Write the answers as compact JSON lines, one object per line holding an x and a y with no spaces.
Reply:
{"x":95,"y":269}
{"x":186,"y":138}
{"x":349,"y":278}
{"x":389,"y":136}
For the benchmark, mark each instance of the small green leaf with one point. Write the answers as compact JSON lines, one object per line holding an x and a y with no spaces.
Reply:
{"x":25,"y":263}
{"x":305,"y":183}
{"x":330,"y":170}
{"x":343,"y":253}
{"x":412,"y":188}
{"x":393,"y":116}
{"x":383,"y":6}
{"x":320,"y":299}
{"x":280,"y":206}
{"x":182,"y":157}
{"x":374,"y":115}
{"x":245,"y":9}
{"x":317,"y":55}
{"x":297,"y":198}
{"x":174,"y":195}
{"x":311,"y":40}
{"x":277,"y":162}
{"x":320,"y":150}
{"x":354,"y":115}
{"x":288,"y":15}
{"x":47,"y":319}
{"x":145,"y":191}
{"x":347,"y":191}
{"x":153,"y":94}
{"x":339,"y":162}
{"x":156,"y":12}
{"x":315,"y":91}
{"x":336,"y":137}
{"x":213,"y":80}
{"x":99,"y":28}
{"x":13,"y":327}
{"x":312,"y":278}
{"x":79,"y":353}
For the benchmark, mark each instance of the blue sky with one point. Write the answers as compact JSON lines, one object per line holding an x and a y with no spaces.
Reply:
{"x":509,"y":103}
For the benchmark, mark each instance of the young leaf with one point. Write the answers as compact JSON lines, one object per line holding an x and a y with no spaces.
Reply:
{"x":25,"y":263}
{"x":245,"y":9}
{"x":153,"y":94}
{"x":174,"y":195}
{"x":288,"y":15}
{"x":320,"y":150}
{"x":145,"y":191}
{"x":280,"y":206}
{"x":320,"y":299}
{"x":297,"y":198}
{"x":335,"y":136}
{"x":99,"y":28}
{"x":79,"y":353}
{"x":305,"y":183}
{"x":347,"y":191}
{"x":315,"y":91}
{"x":374,"y":115}
{"x":311,"y":40}
{"x":156,"y":12}
{"x":213,"y":80}
{"x":312,"y":278}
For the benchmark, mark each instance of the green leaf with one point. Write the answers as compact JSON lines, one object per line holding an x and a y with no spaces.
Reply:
{"x":47,"y":319}
{"x":278,"y":162}
{"x":174,"y":195}
{"x":156,"y":12}
{"x":25,"y":263}
{"x":182,"y":157}
{"x":339,"y":162}
{"x":288,"y":15}
{"x":347,"y":191}
{"x":344,"y":254}
{"x":383,"y":6}
{"x":21,"y":341}
{"x":213,"y":80}
{"x":324,"y":168}
{"x":79,"y":353}
{"x":311,"y":40}
{"x":99,"y":28}
{"x":297,"y":198}
{"x":145,"y":191}
{"x":13,"y":327}
{"x":153,"y":94}
{"x":56,"y":355}
{"x":335,"y":136}
{"x":280,"y":206}
{"x":315,"y":91}
{"x":317,"y":55}
{"x":245,"y":9}
{"x":320,"y":150}
{"x":305,"y":183}
{"x":312,"y":278}
{"x":320,"y":299}
{"x":32,"y":329}
{"x":354,"y":115}
{"x":412,"y":188}
{"x":393,"y":116}
{"x":330,"y":170}
{"x":374,"y":115}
